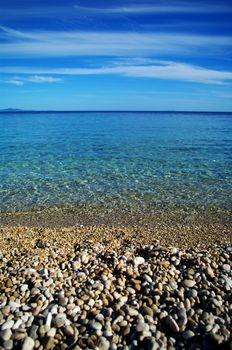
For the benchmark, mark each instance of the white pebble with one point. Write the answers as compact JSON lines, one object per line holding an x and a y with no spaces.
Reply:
{"x":48,"y":320}
{"x":7,"y":325}
{"x":138,"y":260}
{"x":28,"y":344}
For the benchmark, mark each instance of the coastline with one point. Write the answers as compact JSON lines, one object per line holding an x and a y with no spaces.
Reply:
{"x":180,"y":227}
{"x":115,"y":237}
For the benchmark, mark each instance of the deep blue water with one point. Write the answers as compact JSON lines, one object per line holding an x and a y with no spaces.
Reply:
{"x":137,"y":160}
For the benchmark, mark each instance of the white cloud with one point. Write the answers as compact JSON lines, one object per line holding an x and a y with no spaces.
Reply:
{"x":79,"y":43}
{"x":38,"y":79}
{"x":67,"y":12}
{"x":42,"y":79}
{"x":161,"y":70}
{"x":15,"y":82}
{"x":168,"y":7}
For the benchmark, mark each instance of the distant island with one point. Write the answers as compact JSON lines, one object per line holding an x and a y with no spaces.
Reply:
{"x":11,"y":110}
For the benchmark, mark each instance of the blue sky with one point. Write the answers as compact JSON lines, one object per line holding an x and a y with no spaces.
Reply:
{"x":116,"y":55}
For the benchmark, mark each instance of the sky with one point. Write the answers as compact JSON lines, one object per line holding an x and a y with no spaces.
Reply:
{"x":116,"y":55}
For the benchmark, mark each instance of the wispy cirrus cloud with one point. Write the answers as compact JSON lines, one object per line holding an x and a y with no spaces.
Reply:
{"x":161,"y":70}
{"x":72,"y":10}
{"x":37,"y":79}
{"x":158,"y":7}
{"x":42,"y":79}
{"x":80,"y":43}
{"x":16,"y":82}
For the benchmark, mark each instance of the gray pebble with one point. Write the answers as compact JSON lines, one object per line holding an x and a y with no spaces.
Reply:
{"x":188,"y":334}
{"x":8,"y":344}
{"x":142,"y":327}
{"x":59,"y":320}
{"x":5,"y":334}
{"x":96,"y":326}
{"x":172,"y":324}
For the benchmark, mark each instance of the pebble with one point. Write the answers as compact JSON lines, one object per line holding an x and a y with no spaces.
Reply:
{"x":142,"y":327}
{"x":24,"y":288}
{"x":14,"y":305}
{"x":8,"y":344}
{"x":188,"y":334}
{"x":139,"y":260}
{"x":101,"y":299}
{"x":59,"y":320}
{"x":209,"y":272}
{"x":172,"y":324}
{"x":132,"y":312}
{"x":226,"y":267}
{"x":188,"y":283}
{"x":7,"y":325}
{"x":28,"y":344}
{"x":96,"y":326}
{"x":103,"y":344}
{"x":48,"y":320}
{"x":5,"y":334}
{"x":147,"y":278}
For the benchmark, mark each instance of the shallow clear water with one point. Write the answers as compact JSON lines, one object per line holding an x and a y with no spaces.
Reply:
{"x":133,"y":160}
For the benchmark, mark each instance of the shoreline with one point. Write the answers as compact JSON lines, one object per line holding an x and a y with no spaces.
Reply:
{"x":182,"y":236}
{"x":95,"y":215}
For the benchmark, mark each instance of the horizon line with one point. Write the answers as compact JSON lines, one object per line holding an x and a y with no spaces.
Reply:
{"x":13,"y":111}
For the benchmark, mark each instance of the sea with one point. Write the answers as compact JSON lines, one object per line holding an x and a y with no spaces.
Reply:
{"x":133,"y":162}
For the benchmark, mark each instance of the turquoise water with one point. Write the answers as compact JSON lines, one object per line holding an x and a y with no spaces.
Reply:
{"x":115,"y":160}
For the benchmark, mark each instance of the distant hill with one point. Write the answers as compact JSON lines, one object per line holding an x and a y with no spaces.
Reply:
{"x":11,"y":110}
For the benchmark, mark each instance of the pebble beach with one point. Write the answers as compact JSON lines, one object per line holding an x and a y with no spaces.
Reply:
{"x":111,"y":288}
{"x":115,"y":229}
